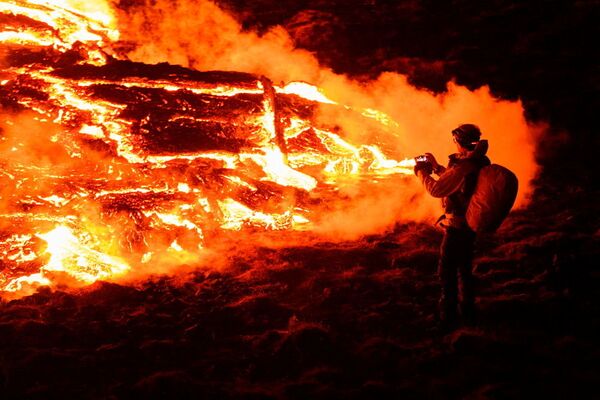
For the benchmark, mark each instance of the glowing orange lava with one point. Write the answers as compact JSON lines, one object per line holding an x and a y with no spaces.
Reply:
{"x":110,"y":164}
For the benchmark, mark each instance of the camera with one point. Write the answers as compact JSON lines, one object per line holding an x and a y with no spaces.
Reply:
{"x":423,"y":163}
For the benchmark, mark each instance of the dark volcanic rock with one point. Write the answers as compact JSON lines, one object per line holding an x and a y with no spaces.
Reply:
{"x":319,"y":329}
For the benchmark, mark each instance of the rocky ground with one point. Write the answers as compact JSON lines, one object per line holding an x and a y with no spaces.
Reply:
{"x":351,"y":320}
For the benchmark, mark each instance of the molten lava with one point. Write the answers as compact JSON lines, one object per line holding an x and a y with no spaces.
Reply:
{"x":108,"y":164}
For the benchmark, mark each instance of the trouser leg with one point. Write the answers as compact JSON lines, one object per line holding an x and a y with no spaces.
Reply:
{"x":465,"y":274}
{"x":447,"y":273}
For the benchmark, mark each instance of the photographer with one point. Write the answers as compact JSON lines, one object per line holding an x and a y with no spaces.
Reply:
{"x":455,"y":186}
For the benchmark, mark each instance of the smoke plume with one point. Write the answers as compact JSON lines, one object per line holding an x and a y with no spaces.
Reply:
{"x":202,"y":36}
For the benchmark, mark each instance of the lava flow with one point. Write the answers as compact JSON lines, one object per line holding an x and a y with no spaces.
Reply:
{"x":109,"y":164}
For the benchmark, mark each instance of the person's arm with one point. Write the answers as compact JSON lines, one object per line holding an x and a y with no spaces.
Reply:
{"x":438,"y":168}
{"x":449,"y":182}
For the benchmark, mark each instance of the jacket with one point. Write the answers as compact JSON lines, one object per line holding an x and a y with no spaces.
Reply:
{"x":457,"y":182}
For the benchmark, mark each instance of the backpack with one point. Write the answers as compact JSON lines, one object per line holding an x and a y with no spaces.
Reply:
{"x":494,"y":195}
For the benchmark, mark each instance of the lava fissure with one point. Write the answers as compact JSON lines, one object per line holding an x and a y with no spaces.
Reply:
{"x":109,"y":163}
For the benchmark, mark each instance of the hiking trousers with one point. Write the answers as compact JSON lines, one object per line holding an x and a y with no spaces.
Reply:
{"x":455,"y":273}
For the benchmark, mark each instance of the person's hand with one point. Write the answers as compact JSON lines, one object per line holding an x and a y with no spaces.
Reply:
{"x":437,"y":167}
{"x":432,"y":160}
{"x":423,"y":167}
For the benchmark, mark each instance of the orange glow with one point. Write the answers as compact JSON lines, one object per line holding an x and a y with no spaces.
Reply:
{"x":116,"y":168}
{"x":306,"y":91}
{"x":69,"y":254}
{"x":72,"y":20}
{"x":237,"y":216}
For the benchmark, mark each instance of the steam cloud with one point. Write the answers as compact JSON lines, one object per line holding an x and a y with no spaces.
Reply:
{"x":200,"y":35}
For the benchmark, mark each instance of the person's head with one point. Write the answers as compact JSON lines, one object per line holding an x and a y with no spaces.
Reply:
{"x":466,"y":137}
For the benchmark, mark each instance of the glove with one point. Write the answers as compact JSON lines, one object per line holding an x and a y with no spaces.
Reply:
{"x":433,"y":161}
{"x":424,"y":167}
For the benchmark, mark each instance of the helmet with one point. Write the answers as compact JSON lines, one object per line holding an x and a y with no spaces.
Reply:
{"x":467,"y":135}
